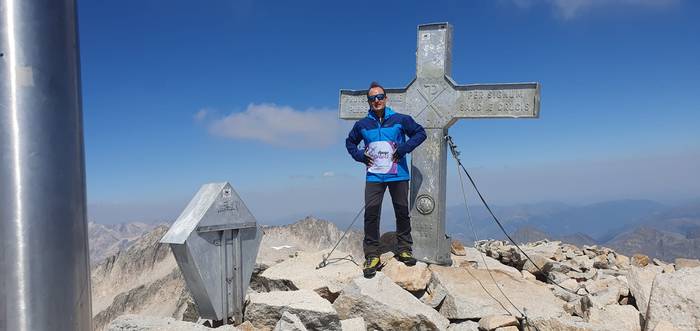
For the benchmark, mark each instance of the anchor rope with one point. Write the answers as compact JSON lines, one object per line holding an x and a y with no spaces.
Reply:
{"x":455,"y":154}
{"x":326,"y":257}
{"x":524,"y":318}
{"x":483,"y":258}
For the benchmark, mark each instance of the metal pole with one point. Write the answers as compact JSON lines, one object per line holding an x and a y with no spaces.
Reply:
{"x":44,"y":270}
{"x":238,"y":278}
{"x":224,"y":287}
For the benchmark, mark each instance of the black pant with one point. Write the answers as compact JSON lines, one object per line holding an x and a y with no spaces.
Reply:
{"x":374,"y":194}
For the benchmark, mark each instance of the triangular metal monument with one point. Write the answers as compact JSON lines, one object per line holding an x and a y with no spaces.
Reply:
{"x":215,"y":242}
{"x":435,"y":101}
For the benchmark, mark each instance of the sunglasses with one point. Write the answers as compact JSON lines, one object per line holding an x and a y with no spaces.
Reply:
{"x":379,"y":97}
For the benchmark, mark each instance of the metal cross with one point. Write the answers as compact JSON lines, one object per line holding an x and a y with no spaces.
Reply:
{"x":435,"y":101}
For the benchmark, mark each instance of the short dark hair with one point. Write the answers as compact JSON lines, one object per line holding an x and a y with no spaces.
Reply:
{"x":373,"y":85}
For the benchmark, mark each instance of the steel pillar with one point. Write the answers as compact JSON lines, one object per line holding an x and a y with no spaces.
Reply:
{"x":44,"y":264}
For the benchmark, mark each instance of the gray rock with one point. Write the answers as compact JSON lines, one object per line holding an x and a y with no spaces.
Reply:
{"x":481,"y":261}
{"x":289,"y":322}
{"x":675,"y":297}
{"x":353,"y":324}
{"x":527,"y":275}
{"x":682,"y":263}
{"x":507,"y":328}
{"x":583,"y":262}
{"x":602,"y":262}
{"x":263,"y":310}
{"x":640,"y":281}
{"x":664,"y":326}
{"x":493,"y":322}
{"x":300,"y":272}
{"x":616,"y":317}
{"x":386,"y":306}
{"x":561,"y":323}
{"x":413,"y":278}
{"x":607,"y":291}
{"x":622,"y":261}
{"x":540,"y":263}
{"x":457,"y":248}
{"x":464,"y":297}
{"x":464,"y":326}
{"x":151,"y":323}
{"x":640,"y":260}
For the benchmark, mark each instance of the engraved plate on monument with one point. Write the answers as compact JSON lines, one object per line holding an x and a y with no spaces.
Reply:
{"x":215,"y":242}
{"x":436,"y":102}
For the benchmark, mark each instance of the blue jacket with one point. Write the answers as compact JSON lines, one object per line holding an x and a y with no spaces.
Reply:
{"x":394,"y":128}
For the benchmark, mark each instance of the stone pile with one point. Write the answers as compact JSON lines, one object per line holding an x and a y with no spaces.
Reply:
{"x":604,"y":290}
{"x":490,"y":287}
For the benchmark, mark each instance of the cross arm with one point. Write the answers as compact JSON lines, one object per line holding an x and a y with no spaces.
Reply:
{"x":512,"y":100}
{"x":353,"y":103}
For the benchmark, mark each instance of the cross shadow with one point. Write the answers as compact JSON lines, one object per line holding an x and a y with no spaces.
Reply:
{"x":416,"y":182}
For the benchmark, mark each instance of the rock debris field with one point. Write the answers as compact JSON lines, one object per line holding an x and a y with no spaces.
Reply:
{"x":491,"y":286}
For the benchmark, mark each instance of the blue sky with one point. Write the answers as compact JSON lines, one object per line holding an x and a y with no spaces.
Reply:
{"x":180,"y":94}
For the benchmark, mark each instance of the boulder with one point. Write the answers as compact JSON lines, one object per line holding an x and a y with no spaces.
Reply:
{"x":615,"y":317}
{"x":475,"y":259}
{"x":463,"y":296}
{"x":457,"y":248}
{"x":527,"y":275}
{"x":560,"y":323}
{"x":300,"y":272}
{"x":682,"y":263}
{"x":640,"y":260}
{"x":675,"y":297}
{"x":493,"y":322}
{"x":548,"y":249}
{"x":464,"y":326}
{"x":607,"y":291}
{"x":622,"y":261}
{"x":246,"y":326}
{"x":263,"y":310}
{"x":570,"y":284}
{"x":289,"y":322}
{"x":386,"y":306}
{"x":353,"y":324}
{"x":640,"y":281}
{"x":602,"y":262}
{"x":583,"y":262}
{"x":664,"y":326}
{"x":539,"y":265}
{"x":508,"y":328}
{"x":413,"y":278}
{"x":151,"y":323}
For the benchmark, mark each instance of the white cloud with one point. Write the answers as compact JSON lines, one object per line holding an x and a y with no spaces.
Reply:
{"x":569,"y":9}
{"x":201,"y":114}
{"x":282,"y":126}
{"x":328,"y":174}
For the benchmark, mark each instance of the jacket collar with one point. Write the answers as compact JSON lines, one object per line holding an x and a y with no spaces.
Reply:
{"x":387,"y":113}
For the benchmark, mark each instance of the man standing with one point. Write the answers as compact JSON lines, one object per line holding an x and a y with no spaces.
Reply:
{"x":384,"y":133}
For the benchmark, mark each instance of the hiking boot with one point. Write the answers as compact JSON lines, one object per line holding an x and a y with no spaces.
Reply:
{"x":369,"y":269}
{"x":407,"y":258}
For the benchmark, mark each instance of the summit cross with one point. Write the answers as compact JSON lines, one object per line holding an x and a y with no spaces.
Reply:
{"x":435,"y":101}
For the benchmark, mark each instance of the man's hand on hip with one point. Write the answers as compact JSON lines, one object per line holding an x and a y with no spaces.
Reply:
{"x":368,"y":159}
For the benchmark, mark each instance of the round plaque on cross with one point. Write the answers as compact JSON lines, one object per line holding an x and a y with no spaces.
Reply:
{"x":425,"y":204}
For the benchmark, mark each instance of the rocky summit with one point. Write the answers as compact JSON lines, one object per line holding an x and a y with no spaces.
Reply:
{"x":543,"y":285}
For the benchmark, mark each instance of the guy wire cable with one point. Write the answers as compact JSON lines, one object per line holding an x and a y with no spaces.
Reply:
{"x":326,"y":257}
{"x":471,"y":225}
{"x":524,"y":317}
{"x":485,"y":264}
{"x":459,"y":162}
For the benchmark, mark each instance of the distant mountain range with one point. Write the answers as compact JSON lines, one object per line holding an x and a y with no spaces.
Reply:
{"x":108,"y":239}
{"x":629,"y":226}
